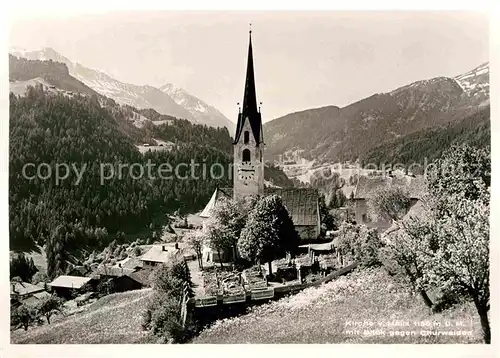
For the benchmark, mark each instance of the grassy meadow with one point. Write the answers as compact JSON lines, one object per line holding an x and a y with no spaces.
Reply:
{"x":112,"y":319}
{"x":332,"y":313}
{"x":326,"y":314}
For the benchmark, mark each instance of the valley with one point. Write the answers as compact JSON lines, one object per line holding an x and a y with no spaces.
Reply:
{"x":298,"y":243}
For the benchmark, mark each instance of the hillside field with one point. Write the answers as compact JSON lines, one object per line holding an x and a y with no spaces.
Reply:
{"x":326,"y":314}
{"x":315,"y":315}
{"x":112,"y":319}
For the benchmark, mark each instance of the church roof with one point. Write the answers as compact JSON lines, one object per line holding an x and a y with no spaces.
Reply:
{"x":367,"y":186}
{"x":301,"y":203}
{"x":249,"y":109}
{"x":218,"y":193}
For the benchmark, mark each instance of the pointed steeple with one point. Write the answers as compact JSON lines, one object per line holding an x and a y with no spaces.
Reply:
{"x":249,"y":109}
{"x":250,"y":98}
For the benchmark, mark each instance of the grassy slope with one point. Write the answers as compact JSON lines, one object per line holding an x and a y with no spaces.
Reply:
{"x":318,"y":315}
{"x":112,"y":319}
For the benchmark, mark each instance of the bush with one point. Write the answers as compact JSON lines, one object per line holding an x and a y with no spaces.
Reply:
{"x":39,"y":277}
{"x":137,"y":251}
{"x":369,"y":247}
{"x":105,"y":287}
{"x":163,"y":312}
{"x":444,"y":302}
{"x":360,"y":243}
{"x":49,"y":306}
{"x":162,"y":318}
{"x":24,"y":316}
{"x":22,"y":267}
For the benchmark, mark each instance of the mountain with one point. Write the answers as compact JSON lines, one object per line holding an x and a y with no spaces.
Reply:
{"x":476,"y":83}
{"x":426,"y":145}
{"x":49,"y":73}
{"x":168,"y":100}
{"x":55,"y":118}
{"x":332,"y":134}
{"x":201,"y":111}
{"x":48,"y":125}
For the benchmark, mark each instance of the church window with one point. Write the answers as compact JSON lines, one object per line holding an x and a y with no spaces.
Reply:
{"x":246,"y":155}
{"x":246,"y":137}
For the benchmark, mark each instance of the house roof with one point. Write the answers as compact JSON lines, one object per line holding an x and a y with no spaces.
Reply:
{"x":70,"y":281}
{"x":301,"y":203}
{"x":35,"y":298}
{"x":319,"y":247}
{"x":367,"y":186}
{"x":163,"y":253}
{"x":130,"y":263}
{"x":141,"y":276}
{"x":24,"y":288}
{"x":113,"y":271}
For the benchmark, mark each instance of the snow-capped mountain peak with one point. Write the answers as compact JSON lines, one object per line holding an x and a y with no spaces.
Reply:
{"x":476,"y":83}
{"x":203,"y":112}
{"x":169,"y":100}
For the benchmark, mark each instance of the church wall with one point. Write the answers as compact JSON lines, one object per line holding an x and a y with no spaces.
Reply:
{"x":251,"y":186}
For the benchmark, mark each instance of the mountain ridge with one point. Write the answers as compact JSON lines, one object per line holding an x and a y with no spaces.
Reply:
{"x":139,"y":96}
{"x":334,"y":134}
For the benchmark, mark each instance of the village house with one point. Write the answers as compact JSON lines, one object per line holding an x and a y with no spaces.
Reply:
{"x":26,"y":293}
{"x":129,"y":263}
{"x":161,"y":254}
{"x":367,"y":186}
{"x":70,"y":286}
{"x":120,"y":276}
{"x":248,"y":176}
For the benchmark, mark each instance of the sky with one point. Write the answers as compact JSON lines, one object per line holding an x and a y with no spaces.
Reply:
{"x":302,"y":59}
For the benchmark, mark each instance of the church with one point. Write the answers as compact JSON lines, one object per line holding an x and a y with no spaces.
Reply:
{"x":248,"y":167}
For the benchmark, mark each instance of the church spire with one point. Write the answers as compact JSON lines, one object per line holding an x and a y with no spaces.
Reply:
{"x":249,"y":109}
{"x":250,"y":98}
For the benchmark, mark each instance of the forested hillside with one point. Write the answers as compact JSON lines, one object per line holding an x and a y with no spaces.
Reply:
{"x":429,"y":144}
{"x":78,"y":131}
{"x":56,"y":73}
{"x":331,"y":134}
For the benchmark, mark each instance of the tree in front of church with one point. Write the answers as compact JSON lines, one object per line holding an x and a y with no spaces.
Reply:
{"x":390,"y":203}
{"x":222,"y":230}
{"x":269,"y":232}
{"x":194,"y":239}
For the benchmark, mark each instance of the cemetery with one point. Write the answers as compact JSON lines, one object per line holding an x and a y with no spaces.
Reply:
{"x":227,"y":286}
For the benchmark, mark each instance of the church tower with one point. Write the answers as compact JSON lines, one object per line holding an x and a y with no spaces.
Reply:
{"x":248,"y":145}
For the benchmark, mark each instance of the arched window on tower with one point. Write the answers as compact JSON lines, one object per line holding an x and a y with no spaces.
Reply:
{"x":246,"y":137}
{"x":246,"y":155}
